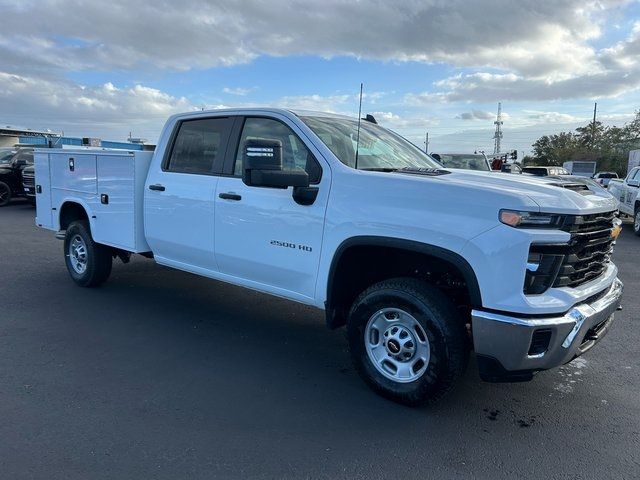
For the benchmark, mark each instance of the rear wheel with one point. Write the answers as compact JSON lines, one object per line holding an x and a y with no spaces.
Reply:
{"x":636,"y":222}
{"x":5,"y":194}
{"x":89,"y":263}
{"x":407,"y":341}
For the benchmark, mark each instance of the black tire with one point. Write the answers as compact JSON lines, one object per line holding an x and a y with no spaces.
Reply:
{"x":5,"y":194}
{"x":636,"y":222}
{"x":97,"y":259}
{"x":444,"y":330}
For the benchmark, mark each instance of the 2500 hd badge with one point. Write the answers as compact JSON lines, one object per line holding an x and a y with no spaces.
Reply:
{"x":278,"y":243}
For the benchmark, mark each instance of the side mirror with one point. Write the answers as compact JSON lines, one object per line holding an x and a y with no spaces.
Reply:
{"x":262,"y":166}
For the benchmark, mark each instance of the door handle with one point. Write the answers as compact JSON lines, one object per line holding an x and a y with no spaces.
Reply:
{"x":159,"y":188}
{"x":230,"y":196}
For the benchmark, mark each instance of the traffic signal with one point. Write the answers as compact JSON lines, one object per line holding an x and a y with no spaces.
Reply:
{"x":513,"y":155}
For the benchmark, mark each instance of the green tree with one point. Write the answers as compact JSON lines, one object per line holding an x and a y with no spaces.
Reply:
{"x":607,"y":145}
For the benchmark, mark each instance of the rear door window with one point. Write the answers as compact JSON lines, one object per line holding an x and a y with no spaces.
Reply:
{"x":199,"y":145}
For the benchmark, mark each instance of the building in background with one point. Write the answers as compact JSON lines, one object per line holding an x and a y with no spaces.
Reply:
{"x":10,"y":137}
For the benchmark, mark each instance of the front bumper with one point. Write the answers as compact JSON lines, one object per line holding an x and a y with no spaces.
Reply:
{"x":29,"y":190}
{"x":503,"y":343}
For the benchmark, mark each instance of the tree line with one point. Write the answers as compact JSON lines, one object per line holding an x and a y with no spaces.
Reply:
{"x":607,"y":145}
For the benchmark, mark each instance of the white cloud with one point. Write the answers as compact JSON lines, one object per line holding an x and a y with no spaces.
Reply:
{"x":476,"y":115}
{"x":551,"y":117}
{"x":611,"y":72}
{"x":541,"y":38}
{"x":239,"y":91}
{"x":64,"y":105}
{"x":406,"y":123}
{"x":346,"y":104}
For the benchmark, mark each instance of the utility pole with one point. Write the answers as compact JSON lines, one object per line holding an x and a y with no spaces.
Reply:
{"x":593,"y":125}
{"x":426,"y":143}
{"x":498,"y":135}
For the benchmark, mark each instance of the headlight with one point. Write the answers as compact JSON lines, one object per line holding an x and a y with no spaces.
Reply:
{"x":519,"y":219}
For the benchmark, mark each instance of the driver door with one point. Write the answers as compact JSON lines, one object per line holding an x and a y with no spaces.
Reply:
{"x":263,"y":237}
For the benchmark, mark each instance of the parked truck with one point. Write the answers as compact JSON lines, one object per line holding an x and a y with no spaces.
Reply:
{"x":626,"y":191}
{"x":423,"y":265}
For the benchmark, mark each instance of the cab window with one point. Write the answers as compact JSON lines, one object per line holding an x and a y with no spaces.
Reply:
{"x":197,"y":145}
{"x":295,"y":154}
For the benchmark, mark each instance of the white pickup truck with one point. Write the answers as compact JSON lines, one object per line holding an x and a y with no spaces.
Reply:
{"x":422,"y":264}
{"x":626,"y":191}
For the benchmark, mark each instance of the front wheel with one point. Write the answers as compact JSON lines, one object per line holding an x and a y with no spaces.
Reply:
{"x":89,"y":263}
{"x":5,"y":194}
{"x":636,"y":222}
{"x":407,"y":341}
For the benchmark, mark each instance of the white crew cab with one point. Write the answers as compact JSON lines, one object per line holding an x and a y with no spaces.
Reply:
{"x":626,"y":192}
{"x":423,"y":264}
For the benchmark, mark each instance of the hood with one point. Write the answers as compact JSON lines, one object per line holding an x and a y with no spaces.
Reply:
{"x":550,"y":194}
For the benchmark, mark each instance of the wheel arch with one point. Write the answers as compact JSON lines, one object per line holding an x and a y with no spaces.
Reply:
{"x":335,"y":308}
{"x":72,"y":210}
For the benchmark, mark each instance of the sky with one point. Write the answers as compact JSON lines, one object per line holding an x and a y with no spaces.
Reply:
{"x":107,"y":69}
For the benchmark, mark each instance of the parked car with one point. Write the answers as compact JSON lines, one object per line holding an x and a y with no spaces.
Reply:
{"x":626,"y":191}
{"x":29,"y":183}
{"x":465,"y":161}
{"x":603,"y":178}
{"x":11,"y":166}
{"x":422,"y":264}
{"x":545,"y":171}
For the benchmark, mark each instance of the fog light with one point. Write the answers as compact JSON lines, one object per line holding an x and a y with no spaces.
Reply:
{"x":539,"y":342}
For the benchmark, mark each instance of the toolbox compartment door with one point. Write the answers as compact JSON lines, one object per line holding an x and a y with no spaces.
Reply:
{"x":44,"y":217}
{"x":74,"y":172}
{"x":114,"y":205}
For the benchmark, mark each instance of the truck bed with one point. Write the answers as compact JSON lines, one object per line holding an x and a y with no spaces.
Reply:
{"x":109,"y":184}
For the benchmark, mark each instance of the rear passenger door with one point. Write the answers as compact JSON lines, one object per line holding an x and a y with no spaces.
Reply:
{"x":179,"y":208}
{"x":264,"y":239}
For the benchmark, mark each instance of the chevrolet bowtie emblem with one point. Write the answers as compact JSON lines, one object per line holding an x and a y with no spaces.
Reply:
{"x":615,"y":231}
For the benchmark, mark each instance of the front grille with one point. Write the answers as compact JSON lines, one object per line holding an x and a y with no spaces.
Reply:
{"x":28,"y":181}
{"x":589,"y":250}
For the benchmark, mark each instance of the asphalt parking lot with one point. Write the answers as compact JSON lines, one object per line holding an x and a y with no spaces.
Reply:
{"x":163,"y":374}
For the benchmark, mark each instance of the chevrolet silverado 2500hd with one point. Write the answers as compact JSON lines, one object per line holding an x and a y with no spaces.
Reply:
{"x":422,"y":264}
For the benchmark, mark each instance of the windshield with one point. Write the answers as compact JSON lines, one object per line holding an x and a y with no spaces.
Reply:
{"x":6,"y":154}
{"x":378,"y":149}
{"x":467,"y":162}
